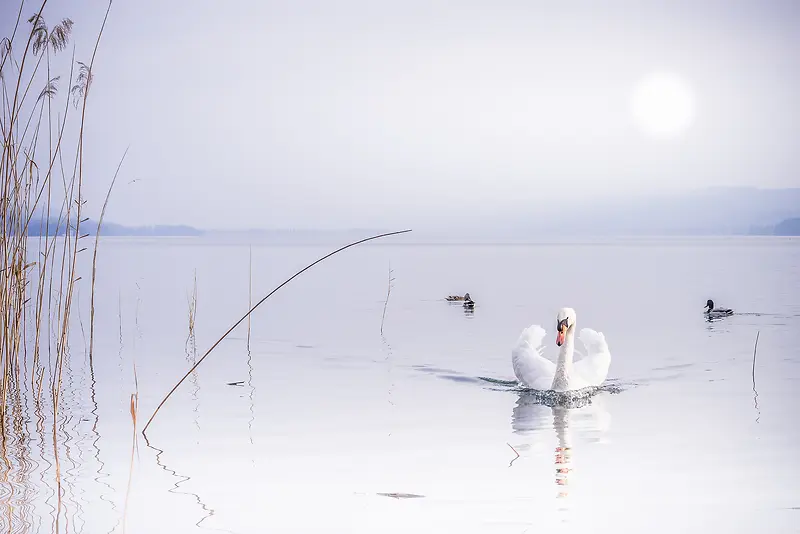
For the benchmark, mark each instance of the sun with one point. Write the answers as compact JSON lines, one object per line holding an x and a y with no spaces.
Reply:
{"x":663,"y":105}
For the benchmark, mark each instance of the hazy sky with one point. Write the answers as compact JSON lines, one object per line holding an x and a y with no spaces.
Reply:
{"x":367,"y":113}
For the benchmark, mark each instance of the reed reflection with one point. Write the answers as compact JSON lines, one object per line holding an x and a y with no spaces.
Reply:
{"x":43,"y":458}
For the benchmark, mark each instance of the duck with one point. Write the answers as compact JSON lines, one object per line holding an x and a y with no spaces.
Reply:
{"x":534,"y":371}
{"x":714,"y":313}
{"x":453,"y":298}
{"x":469,"y":304}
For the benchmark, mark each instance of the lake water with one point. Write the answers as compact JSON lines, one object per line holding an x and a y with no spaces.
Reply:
{"x":325,"y":424}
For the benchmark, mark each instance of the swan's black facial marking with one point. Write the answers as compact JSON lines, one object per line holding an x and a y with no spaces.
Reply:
{"x":710,"y":304}
{"x":562,"y":327}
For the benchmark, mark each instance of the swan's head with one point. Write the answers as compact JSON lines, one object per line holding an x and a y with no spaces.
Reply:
{"x":710,"y":304}
{"x":566,"y":320}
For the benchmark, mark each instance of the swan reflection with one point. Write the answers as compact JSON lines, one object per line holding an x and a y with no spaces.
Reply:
{"x":563,"y":450}
{"x":586,"y":417}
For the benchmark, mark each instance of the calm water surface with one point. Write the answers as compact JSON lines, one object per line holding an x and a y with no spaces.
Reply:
{"x":326,"y":415}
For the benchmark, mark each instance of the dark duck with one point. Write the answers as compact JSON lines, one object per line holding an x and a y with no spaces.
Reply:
{"x":469,"y":304}
{"x":715,"y":313}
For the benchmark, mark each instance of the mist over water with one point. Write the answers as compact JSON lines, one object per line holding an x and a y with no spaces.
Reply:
{"x":325,"y":425}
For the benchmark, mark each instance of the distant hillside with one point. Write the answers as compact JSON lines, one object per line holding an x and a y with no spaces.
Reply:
{"x":112,"y":229}
{"x":293,"y":235}
{"x":713,"y":211}
{"x":38,"y":227}
{"x":788,"y":227}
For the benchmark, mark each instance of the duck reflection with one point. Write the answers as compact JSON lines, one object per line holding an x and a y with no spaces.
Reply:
{"x":586,"y":416}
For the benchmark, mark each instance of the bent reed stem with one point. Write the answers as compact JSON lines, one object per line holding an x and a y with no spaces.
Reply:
{"x":246,"y":315}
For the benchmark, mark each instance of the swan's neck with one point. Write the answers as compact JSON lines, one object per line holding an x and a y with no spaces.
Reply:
{"x":561,"y":380}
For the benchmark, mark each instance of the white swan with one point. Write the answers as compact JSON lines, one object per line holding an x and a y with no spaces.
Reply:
{"x":537,"y":372}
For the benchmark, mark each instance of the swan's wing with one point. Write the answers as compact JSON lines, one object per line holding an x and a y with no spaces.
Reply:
{"x":593,"y":368}
{"x":530,"y":367}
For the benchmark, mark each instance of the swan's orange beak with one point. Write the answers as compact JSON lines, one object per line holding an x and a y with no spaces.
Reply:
{"x":562,"y":330}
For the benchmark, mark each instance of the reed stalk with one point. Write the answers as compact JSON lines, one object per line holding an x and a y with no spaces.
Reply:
{"x":249,"y":292}
{"x":134,"y":411}
{"x":38,"y":259}
{"x":753,"y":375}
{"x":94,"y":258}
{"x":755,"y":351}
{"x":252,"y":309}
{"x":386,"y":302}
{"x":192,"y":312}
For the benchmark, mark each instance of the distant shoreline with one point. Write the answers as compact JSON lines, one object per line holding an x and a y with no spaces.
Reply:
{"x":421,"y":239}
{"x":785,"y":228}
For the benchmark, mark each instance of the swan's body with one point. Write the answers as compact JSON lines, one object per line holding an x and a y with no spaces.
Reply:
{"x":535,"y":371}
{"x":715,"y":313}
